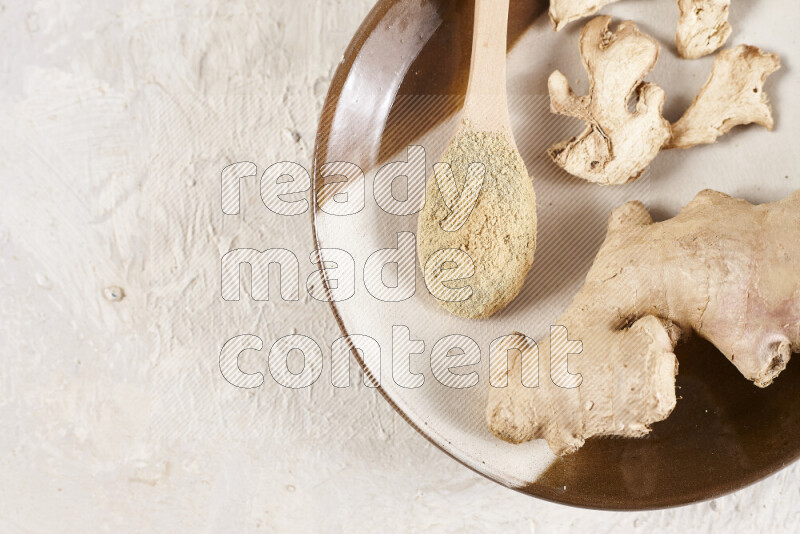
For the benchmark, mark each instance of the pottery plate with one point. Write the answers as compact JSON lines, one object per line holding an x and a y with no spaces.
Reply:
{"x":401,"y":83}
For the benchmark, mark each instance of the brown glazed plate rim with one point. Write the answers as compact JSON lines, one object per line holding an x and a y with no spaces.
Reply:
{"x":541,"y":491}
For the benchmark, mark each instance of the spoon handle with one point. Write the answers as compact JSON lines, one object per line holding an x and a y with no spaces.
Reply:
{"x":486,"y":90}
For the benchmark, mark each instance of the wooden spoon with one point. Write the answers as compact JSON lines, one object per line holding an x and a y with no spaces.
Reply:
{"x":477,"y":231}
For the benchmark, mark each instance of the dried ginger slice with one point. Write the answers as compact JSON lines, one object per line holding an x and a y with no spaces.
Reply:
{"x":733,"y":95}
{"x":702,"y":27}
{"x":562,"y":12}
{"x":617,"y":144}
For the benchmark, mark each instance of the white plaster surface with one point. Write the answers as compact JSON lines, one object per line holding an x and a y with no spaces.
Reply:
{"x":118,"y":117}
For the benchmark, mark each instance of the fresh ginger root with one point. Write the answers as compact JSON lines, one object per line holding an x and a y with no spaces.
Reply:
{"x":617,"y":144}
{"x":723,"y":268}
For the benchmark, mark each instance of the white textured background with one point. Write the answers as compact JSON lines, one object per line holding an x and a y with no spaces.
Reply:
{"x":117,"y":118}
